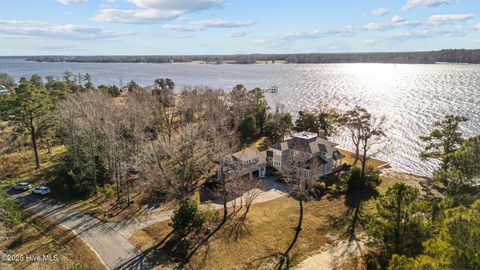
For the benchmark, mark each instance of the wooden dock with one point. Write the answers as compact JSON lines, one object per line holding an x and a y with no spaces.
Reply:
{"x":272,"y":90}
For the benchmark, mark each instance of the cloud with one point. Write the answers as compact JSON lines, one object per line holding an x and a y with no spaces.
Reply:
{"x":219,"y":23}
{"x":181,"y":27}
{"x":135,"y":16}
{"x":237,"y":33}
{"x":476,"y":26}
{"x":378,"y":12}
{"x":186,"y":6}
{"x":68,"y":31}
{"x":20,"y":22}
{"x":411,"y":4}
{"x":200,"y":25}
{"x":377,"y":26}
{"x":66,"y":2}
{"x":397,"y":19}
{"x":347,"y":31}
{"x":153,"y":11}
{"x":448,"y":18}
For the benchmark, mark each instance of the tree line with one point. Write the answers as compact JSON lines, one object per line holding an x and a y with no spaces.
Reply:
{"x":427,"y":57}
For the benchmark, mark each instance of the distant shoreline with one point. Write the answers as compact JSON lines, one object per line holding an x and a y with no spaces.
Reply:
{"x":428,"y":57}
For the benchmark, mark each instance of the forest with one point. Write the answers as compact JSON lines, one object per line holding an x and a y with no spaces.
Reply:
{"x":429,"y":57}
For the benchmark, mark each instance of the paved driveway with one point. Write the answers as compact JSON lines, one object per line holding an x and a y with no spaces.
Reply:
{"x":113,"y":248}
{"x":269,"y":189}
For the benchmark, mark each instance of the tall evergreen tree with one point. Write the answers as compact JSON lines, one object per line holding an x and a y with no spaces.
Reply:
{"x":29,"y":109}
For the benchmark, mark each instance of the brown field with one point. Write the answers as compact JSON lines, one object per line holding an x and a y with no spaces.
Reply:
{"x":270,"y":229}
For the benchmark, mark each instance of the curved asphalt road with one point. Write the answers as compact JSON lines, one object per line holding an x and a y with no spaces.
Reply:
{"x":112,"y":247}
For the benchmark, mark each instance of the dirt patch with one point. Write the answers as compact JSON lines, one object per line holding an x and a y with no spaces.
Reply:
{"x":426,"y":185}
{"x":334,"y":256}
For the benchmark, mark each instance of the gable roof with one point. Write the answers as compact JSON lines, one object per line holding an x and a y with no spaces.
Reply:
{"x":300,"y":144}
{"x":246,"y":154}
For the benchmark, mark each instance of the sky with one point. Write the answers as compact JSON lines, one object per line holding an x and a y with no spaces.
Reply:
{"x":176,"y":27}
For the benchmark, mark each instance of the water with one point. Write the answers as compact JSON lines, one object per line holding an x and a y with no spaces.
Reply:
{"x":412,"y":97}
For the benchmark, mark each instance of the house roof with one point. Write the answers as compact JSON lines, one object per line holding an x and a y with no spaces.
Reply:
{"x":305,"y":135}
{"x":246,"y":154}
{"x":307,"y":142}
{"x":250,"y":153}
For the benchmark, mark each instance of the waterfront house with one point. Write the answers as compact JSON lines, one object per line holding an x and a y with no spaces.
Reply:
{"x":248,"y":162}
{"x":319,"y":156}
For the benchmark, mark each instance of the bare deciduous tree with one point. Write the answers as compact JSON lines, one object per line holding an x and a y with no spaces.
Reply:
{"x":299,"y":173}
{"x":180,"y":165}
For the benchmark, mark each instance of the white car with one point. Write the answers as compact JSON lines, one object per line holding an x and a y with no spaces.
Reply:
{"x":42,"y":190}
{"x":22,"y":186}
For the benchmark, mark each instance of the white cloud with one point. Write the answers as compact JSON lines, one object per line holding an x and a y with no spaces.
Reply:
{"x":212,"y":23}
{"x":219,"y":23}
{"x":19,"y":22}
{"x":180,"y":5}
{"x":395,"y":22}
{"x":347,"y":31}
{"x":476,"y":26}
{"x":237,"y":33}
{"x":448,"y":18}
{"x":377,"y":26}
{"x":411,"y":4}
{"x":152,"y":11}
{"x":397,"y":19}
{"x":66,"y":2}
{"x":181,"y":27}
{"x":378,"y":12}
{"x":68,"y":31}
{"x":135,"y":16}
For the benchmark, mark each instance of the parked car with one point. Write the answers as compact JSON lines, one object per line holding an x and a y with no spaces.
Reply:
{"x":42,"y":190}
{"x":22,"y":186}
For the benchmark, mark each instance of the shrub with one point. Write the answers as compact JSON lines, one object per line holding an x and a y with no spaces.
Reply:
{"x":187,"y":217}
{"x":13,"y":212}
{"x":108,"y":191}
{"x":356,"y":181}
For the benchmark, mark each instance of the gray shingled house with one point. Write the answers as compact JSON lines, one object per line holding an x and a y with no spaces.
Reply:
{"x":321,"y":156}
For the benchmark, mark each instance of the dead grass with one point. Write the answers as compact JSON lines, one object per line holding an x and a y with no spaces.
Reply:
{"x":270,"y":229}
{"x":20,"y":166}
{"x":98,"y":205}
{"x":38,"y":237}
{"x":258,"y":143}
